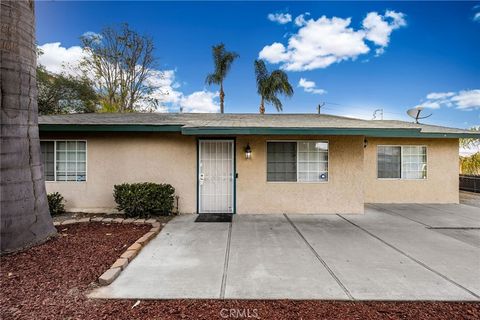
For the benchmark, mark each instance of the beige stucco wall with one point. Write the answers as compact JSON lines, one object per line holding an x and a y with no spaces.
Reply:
{"x":343,"y":193}
{"x":117,"y":158}
{"x":441,"y":185}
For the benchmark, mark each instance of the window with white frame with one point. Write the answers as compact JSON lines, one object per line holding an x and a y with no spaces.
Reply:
{"x":402,"y":162}
{"x":64,"y":160}
{"x":297,"y":161}
{"x":48,"y":158}
{"x":414,"y":162}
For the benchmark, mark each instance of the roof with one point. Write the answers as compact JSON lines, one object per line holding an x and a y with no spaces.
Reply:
{"x":228,"y":123}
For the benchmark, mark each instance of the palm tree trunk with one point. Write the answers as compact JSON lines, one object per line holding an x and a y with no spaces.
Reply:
{"x":222,"y":98}
{"x":25,"y":219}
{"x":262,"y":106}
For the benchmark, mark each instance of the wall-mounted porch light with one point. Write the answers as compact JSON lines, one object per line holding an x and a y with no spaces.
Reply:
{"x":248,"y":152}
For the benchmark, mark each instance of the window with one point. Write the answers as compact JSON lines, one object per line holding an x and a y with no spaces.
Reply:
{"x":389,"y":159}
{"x":48,"y":158}
{"x":64,"y":160}
{"x":312,"y":161}
{"x":281,"y":161}
{"x":402,"y":162}
{"x":414,"y":162}
{"x":299,"y":161}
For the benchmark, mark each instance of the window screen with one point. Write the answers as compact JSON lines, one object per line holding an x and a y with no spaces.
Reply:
{"x":402,"y":162}
{"x":48,"y":158}
{"x":414,"y":162}
{"x":71,"y":162}
{"x":302,"y":161}
{"x":64,"y":160}
{"x":281,"y":161}
{"x":389,"y":162}
{"x":312,"y":161}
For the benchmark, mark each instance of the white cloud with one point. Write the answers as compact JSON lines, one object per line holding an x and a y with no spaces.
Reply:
{"x":55,"y":57}
{"x":300,"y":20}
{"x":310,"y":86}
{"x":167,"y":89}
{"x":281,"y":18}
{"x":91,"y":34}
{"x":439,"y":95}
{"x":379,"y":51}
{"x":473,"y":148}
{"x":430,"y":105}
{"x":467,"y":99}
{"x":317,"y":45}
{"x":169,"y":96}
{"x":322,"y":42}
{"x":463,"y":100}
{"x":274,"y":53}
{"x":476,"y":16}
{"x":200,"y":101}
{"x":378,"y":28}
{"x":464,"y":152}
{"x":398,"y":18}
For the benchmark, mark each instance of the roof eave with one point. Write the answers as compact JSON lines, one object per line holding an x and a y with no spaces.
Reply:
{"x":187,"y":130}
{"x":108,"y":128}
{"x":369,"y":132}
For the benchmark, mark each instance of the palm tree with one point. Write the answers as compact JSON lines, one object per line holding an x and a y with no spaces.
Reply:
{"x":24,"y":219}
{"x":271,"y":84}
{"x":223,"y":61}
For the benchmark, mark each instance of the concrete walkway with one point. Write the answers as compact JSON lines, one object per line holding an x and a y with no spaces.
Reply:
{"x":392,"y":252}
{"x":470,"y":198}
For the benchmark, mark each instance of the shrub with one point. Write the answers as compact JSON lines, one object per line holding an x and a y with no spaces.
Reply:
{"x":55,"y":203}
{"x":144,"y":199}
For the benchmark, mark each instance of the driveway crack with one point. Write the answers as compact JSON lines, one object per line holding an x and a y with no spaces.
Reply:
{"x":410,"y":257}
{"x":225,"y":264}
{"x":320,"y":258}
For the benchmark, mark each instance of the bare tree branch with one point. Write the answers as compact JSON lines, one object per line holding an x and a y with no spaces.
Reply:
{"x":121,"y":62}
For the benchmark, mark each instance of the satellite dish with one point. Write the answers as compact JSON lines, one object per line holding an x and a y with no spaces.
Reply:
{"x":415,"y":113}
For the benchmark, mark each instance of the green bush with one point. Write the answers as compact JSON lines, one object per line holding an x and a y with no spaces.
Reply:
{"x":55,"y":203}
{"x":144,"y":199}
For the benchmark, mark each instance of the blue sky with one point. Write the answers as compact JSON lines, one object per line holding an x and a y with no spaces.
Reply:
{"x":428,"y":48}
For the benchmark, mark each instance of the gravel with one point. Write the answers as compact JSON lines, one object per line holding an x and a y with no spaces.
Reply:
{"x":50,"y":282}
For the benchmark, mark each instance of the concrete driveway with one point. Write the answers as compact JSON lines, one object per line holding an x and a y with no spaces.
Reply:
{"x":392,"y":252}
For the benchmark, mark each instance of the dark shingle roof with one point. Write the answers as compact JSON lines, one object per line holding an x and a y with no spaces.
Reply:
{"x":235,"y":123}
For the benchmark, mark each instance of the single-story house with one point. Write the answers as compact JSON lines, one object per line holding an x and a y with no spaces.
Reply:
{"x":251,"y":163}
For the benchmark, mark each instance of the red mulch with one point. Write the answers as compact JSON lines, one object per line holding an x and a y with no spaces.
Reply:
{"x":49,"y":281}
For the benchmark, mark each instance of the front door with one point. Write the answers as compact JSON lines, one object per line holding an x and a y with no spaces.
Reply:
{"x":216,"y":176}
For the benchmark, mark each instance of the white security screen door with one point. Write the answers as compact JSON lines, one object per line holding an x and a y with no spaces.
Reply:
{"x":215,"y":176}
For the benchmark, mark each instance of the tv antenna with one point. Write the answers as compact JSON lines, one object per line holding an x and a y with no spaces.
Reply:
{"x":320,"y":106}
{"x":415,"y":113}
{"x":379,"y":111}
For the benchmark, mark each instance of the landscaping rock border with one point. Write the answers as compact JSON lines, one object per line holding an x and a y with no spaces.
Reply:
{"x":126,"y":257}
